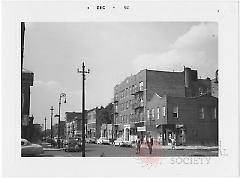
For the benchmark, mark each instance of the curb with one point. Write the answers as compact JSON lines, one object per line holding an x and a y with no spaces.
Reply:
{"x":52,"y":149}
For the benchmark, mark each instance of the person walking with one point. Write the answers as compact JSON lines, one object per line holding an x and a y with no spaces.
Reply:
{"x":173,"y":143}
{"x":150,"y":144}
{"x":138,"y":144}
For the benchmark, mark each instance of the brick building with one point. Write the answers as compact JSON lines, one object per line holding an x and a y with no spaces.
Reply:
{"x":190,"y":120}
{"x":93,"y":124}
{"x":26,"y":122}
{"x":132,"y":95}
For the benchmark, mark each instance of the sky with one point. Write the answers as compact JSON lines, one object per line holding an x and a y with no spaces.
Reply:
{"x":112,"y":51}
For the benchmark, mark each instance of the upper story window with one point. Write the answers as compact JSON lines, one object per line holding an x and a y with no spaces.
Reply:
{"x":148,"y":114}
{"x":202,"y":114}
{"x":164,"y":111}
{"x":141,"y":86}
{"x":175,"y":111}
{"x":153,"y":117}
{"x":158,"y":113}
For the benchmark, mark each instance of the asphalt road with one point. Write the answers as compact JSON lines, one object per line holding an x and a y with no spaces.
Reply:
{"x":94,"y":150}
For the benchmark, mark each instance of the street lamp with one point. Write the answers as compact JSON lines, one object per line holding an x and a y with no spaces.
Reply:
{"x":62,"y":95}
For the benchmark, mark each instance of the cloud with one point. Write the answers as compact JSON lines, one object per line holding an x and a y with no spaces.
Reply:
{"x":54,"y":86}
{"x":197,"y":48}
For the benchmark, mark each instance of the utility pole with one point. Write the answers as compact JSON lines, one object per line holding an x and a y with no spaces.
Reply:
{"x":83,"y":72}
{"x":45,"y":128}
{"x":51,"y":109}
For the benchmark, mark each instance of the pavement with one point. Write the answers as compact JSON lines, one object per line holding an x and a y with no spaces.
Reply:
{"x":190,"y":147}
{"x":157,"y":147}
{"x":94,"y":150}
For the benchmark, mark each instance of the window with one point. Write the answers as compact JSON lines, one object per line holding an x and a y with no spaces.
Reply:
{"x":148,"y":114}
{"x":202,"y":113}
{"x":141,"y":86}
{"x":215,"y":113}
{"x":175,"y":111}
{"x":200,"y":91}
{"x":153,"y":114}
{"x":164,"y":111}
{"x":127,"y":104}
{"x":158,"y":113}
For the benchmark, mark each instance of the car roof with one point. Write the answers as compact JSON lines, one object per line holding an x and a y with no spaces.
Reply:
{"x":24,"y":140}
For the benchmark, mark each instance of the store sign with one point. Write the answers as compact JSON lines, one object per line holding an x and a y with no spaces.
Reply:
{"x":141,"y":129}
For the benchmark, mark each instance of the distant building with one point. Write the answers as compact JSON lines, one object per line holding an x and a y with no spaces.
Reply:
{"x":131,"y":96}
{"x":192,"y":120}
{"x":62,"y":129}
{"x":73,"y":124}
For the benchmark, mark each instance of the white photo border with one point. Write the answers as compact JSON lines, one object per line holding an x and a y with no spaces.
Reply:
{"x":225,"y":13}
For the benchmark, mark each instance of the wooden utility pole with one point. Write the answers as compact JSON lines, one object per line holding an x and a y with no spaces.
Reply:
{"x":83,"y":72}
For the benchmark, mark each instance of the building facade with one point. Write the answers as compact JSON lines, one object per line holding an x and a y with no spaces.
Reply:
{"x":192,"y":120}
{"x":62,"y":130}
{"x":93,"y":125}
{"x":73,"y":124}
{"x":214,"y":85}
{"x":132,"y":95}
{"x":107,"y":131}
{"x":26,"y":83}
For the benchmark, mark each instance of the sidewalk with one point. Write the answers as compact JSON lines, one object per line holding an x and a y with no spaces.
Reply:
{"x":168,"y":147}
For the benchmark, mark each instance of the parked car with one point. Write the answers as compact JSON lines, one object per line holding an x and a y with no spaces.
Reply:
{"x":127,"y":143}
{"x":87,"y":140}
{"x":30,"y":149}
{"x":72,"y":145}
{"x":118,"y":142}
{"x":93,"y":140}
{"x":103,"y":140}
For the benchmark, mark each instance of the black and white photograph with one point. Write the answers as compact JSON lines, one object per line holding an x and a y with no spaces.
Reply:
{"x":150,"y":89}
{"x":120,"y":88}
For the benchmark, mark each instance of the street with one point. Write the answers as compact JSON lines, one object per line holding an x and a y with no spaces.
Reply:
{"x":94,"y":150}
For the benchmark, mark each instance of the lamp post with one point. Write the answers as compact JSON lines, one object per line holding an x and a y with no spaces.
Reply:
{"x":45,"y":133}
{"x":59,"y":106}
{"x":51,"y":109}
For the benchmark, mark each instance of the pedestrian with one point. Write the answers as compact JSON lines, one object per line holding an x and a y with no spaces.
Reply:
{"x":138,"y":144}
{"x":173,"y":143}
{"x":150,"y":144}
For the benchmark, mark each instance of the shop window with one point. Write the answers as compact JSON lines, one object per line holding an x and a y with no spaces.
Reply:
{"x":175,"y":111}
{"x":202,"y":113}
{"x":200,"y":91}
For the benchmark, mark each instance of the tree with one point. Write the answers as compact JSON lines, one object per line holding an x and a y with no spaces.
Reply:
{"x":105,"y":114}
